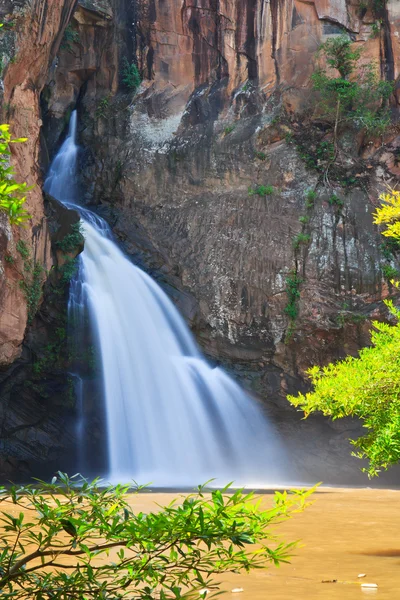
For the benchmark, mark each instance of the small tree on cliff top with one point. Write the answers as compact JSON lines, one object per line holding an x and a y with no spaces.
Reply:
{"x":12,"y":193}
{"x":358,"y":96}
{"x":72,"y":539}
{"x":368,"y":386}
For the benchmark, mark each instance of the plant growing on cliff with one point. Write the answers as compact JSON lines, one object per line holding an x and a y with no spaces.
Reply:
{"x":130,"y":75}
{"x":367,"y":386}
{"x":103,"y":107}
{"x":71,"y":36}
{"x":68,"y":269}
{"x":262,"y":190}
{"x":76,"y":539}
{"x":293,"y":282}
{"x":12,"y":193}
{"x":300,"y":239}
{"x":72,"y":240}
{"x":358,"y":96}
{"x":31,"y":283}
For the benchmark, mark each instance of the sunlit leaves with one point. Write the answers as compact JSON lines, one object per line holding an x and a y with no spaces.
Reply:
{"x":389,"y":214}
{"x":367,"y":387}
{"x":76,"y":539}
{"x":12,"y":193}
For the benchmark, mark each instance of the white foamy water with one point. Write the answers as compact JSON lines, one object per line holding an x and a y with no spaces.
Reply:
{"x":172,"y":419}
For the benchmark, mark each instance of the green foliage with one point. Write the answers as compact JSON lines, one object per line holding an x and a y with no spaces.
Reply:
{"x":389,"y":214}
{"x":261,"y":190}
{"x":72,"y":240}
{"x":48,"y":359}
{"x":340,"y":55}
{"x":390,"y":248}
{"x":229,"y":129}
{"x":31,"y":283}
{"x":293,"y":282}
{"x":335,"y":201}
{"x":103,"y":107}
{"x":71,"y":36}
{"x":289,"y":137}
{"x":367,"y":387}
{"x":315,"y":156}
{"x":10,"y":259}
{"x":68,"y":270}
{"x":23,"y":249}
{"x":117,"y":553}
{"x":362,"y":7}
{"x":360,"y":100}
{"x":130,"y":75}
{"x":260,"y":155}
{"x":12,"y":193}
{"x":299,"y":239}
{"x":304,"y":219}
{"x":311,"y":196}
{"x":376,"y":28}
{"x":344,"y":317}
{"x":390,"y":272}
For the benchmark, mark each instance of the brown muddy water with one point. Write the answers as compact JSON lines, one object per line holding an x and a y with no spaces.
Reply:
{"x":344,"y":533}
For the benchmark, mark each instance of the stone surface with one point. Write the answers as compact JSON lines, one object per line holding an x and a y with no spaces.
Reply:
{"x":36,"y":34}
{"x":225,"y":84}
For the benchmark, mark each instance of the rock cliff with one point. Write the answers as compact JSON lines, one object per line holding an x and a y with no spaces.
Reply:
{"x":30,"y":40}
{"x":225,"y":107}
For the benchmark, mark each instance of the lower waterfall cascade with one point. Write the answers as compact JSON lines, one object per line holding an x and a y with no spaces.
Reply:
{"x":171,"y":418}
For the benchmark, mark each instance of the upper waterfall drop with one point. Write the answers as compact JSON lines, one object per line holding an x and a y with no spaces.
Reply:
{"x":171,"y":418}
{"x":61,"y":178}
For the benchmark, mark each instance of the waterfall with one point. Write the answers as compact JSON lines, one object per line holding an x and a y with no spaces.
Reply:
{"x":171,"y":418}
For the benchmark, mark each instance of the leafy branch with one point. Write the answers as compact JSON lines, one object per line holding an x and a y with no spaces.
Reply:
{"x":12,"y":193}
{"x":76,"y":539}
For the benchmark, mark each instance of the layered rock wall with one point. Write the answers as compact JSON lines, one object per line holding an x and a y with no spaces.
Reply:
{"x":30,"y":39}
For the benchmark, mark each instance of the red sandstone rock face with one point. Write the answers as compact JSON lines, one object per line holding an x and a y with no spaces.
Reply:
{"x":38,"y":31}
{"x":187,"y":43}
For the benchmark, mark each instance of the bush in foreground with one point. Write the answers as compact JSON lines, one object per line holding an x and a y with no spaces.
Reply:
{"x":74,"y":539}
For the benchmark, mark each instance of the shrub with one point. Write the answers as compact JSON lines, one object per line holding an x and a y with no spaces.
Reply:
{"x":293,"y":282}
{"x":171,"y":553}
{"x":22,"y":248}
{"x":261,"y":190}
{"x":69,"y":269}
{"x":229,"y":129}
{"x":366,"y":387}
{"x":389,"y":272}
{"x":376,"y":28}
{"x":71,"y":36}
{"x":360,"y":100}
{"x":72,"y":240}
{"x":311,"y":196}
{"x":130,"y":75}
{"x":12,"y":193}
{"x":31,"y":283}
{"x":390,"y":248}
{"x":334,"y":200}
{"x":260,"y":155}
{"x":102,"y":107}
{"x":299,"y":239}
